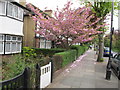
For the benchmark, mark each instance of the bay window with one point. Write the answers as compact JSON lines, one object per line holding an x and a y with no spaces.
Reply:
{"x":15,"y":11}
{"x":12,"y":44}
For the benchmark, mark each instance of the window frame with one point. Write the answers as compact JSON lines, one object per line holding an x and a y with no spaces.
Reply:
{"x":13,"y":13}
{"x":12,"y":48}
{"x":5,"y":8}
{"x":2,"y":44}
{"x":45,"y":42}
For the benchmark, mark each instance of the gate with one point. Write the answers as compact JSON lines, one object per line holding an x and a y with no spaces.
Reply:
{"x":45,"y":78}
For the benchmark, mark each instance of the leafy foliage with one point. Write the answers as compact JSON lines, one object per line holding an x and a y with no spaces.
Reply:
{"x":28,"y":52}
{"x":12,"y":66}
{"x":48,"y":52}
{"x":80,"y":49}
{"x":67,"y":56}
{"x":116,"y":41}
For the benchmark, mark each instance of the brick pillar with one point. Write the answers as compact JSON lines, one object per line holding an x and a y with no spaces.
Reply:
{"x":37,"y":42}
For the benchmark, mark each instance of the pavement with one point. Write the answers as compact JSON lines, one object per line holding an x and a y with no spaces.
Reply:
{"x":85,"y":72}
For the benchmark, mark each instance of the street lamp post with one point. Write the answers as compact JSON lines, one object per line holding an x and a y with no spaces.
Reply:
{"x":108,"y":70}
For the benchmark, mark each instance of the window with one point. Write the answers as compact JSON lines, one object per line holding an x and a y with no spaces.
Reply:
{"x":2,"y":8}
{"x":1,"y":44}
{"x":118,"y":57}
{"x":45,"y":43}
{"x":15,"y":11}
{"x":42,"y":43}
{"x":13,"y":44}
{"x":20,"y":14}
{"x":9,"y":9}
{"x":48,"y":44}
{"x":7,"y":47}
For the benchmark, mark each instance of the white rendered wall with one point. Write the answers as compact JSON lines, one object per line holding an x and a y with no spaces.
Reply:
{"x":10,"y":26}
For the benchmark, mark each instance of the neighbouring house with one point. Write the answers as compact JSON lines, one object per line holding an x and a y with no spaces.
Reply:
{"x":43,"y":43}
{"x":11,"y":26}
{"x":31,"y":39}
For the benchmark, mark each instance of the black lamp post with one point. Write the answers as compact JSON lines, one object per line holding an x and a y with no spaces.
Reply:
{"x":108,"y":70}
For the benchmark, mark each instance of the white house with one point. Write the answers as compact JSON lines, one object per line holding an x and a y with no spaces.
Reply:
{"x":11,"y":27}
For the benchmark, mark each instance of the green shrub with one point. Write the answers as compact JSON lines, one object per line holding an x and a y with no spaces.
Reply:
{"x":67,"y":57}
{"x":57,"y":62}
{"x":102,"y":59}
{"x":80,"y":49}
{"x":12,"y":67}
{"x":48,"y":52}
{"x":28,"y":52}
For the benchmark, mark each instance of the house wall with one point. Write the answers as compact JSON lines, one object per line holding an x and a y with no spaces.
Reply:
{"x":28,"y":30}
{"x":10,"y":26}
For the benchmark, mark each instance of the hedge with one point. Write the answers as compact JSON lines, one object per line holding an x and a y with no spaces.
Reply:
{"x":80,"y":49}
{"x":48,"y":52}
{"x":64,"y":58}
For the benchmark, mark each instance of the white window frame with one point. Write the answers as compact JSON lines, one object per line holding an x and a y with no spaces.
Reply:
{"x":19,"y":47}
{"x":3,"y":44}
{"x":44,"y":41}
{"x":5,"y":8}
{"x":13,"y":13}
{"x":48,"y":42}
{"x":21,"y":13}
{"x":11,"y":41}
{"x":5,"y":48}
{"x":19,"y":41}
{"x":8,"y":9}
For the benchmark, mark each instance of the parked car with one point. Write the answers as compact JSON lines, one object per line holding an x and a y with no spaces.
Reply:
{"x":107,"y":51}
{"x":115,"y":64}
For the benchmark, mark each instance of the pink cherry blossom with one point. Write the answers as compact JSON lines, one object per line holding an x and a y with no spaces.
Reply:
{"x":68,"y":25}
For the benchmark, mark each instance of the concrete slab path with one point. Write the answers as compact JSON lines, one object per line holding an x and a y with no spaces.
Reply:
{"x":85,"y":72}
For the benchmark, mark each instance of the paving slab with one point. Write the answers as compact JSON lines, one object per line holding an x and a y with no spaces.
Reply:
{"x":85,"y":72}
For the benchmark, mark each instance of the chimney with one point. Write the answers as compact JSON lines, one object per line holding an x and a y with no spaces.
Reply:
{"x":23,"y":2}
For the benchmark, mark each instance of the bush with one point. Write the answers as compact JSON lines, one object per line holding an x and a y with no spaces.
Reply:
{"x":66,"y":57}
{"x":57,"y":62}
{"x":15,"y":64}
{"x":80,"y":49}
{"x":48,"y":52}
{"x":28,"y":52}
{"x":12,"y":66}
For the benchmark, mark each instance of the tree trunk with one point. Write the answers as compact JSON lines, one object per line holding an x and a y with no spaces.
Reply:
{"x":101,"y":46}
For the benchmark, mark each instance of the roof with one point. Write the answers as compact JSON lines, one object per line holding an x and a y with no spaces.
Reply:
{"x":40,"y":10}
{"x":15,"y":3}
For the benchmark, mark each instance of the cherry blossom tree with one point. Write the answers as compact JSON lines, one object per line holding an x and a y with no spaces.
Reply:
{"x":68,"y":26}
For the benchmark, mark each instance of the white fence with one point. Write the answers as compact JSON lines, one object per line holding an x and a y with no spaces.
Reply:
{"x":45,"y":78}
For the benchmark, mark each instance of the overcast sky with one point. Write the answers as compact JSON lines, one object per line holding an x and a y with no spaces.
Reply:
{"x":52,"y":4}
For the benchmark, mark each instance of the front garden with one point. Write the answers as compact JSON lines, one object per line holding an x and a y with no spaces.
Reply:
{"x":15,"y":64}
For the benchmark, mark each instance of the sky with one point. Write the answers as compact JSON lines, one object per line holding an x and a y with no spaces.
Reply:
{"x":52,"y":4}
